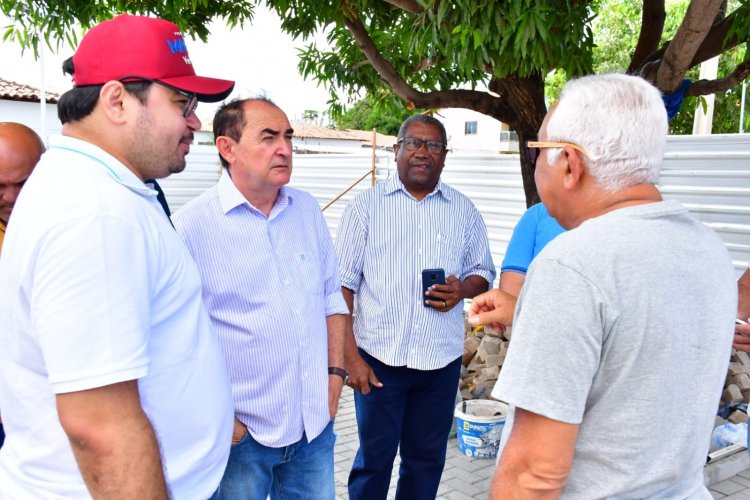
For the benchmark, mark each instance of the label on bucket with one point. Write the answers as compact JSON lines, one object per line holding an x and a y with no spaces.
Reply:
{"x":479,"y":440}
{"x":479,"y":436}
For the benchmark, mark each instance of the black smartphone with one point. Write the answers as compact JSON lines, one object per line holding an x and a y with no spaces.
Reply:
{"x":431,"y":277}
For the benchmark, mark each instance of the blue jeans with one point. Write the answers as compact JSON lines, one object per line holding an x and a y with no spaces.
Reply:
{"x":301,"y":470}
{"x":413,"y":408}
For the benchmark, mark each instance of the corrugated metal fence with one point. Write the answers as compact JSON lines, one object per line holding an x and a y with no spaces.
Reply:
{"x":709,"y":174}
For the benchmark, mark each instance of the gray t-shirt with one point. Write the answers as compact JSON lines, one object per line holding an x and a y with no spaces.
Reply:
{"x":624,"y":326}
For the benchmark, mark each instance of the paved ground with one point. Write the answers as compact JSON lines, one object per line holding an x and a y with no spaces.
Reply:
{"x":736,"y":488}
{"x":466,"y":478}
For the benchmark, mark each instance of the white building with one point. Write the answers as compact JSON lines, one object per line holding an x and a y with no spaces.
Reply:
{"x":20,"y":103}
{"x":472,"y":131}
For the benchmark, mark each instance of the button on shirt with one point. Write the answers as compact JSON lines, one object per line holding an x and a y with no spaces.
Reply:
{"x":269,"y":283}
{"x":385,"y":239}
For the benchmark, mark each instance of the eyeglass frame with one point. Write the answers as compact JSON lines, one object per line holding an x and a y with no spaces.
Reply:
{"x":192,"y":98}
{"x":557,"y":144}
{"x":420,"y":143}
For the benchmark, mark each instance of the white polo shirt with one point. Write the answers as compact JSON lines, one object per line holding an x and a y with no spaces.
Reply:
{"x":97,"y":288}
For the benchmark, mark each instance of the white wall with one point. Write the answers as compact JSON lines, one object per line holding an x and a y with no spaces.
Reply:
{"x":28,"y":114}
{"x":487,"y":138}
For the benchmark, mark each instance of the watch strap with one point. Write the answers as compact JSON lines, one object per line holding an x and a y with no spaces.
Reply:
{"x":335,"y":370}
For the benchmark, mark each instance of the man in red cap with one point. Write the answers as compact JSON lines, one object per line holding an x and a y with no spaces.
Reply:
{"x":111,"y":381}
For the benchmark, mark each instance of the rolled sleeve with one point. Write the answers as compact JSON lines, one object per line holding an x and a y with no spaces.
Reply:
{"x":335,"y":304}
{"x":350,"y":248}
{"x":478,"y":258}
{"x":334,"y":300}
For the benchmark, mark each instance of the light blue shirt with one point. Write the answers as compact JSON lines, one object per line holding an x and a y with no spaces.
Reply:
{"x":268,"y":283}
{"x":385,"y":239}
{"x":534,"y":230}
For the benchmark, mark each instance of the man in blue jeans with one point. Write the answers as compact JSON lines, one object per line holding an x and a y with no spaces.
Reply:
{"x":404,"y":348}
{"x":270,"y":282}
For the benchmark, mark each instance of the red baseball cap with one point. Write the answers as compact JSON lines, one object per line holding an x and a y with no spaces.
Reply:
{"x":144,"y":46}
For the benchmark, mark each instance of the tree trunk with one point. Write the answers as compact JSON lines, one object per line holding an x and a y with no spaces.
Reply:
{"x":525,"y":97}
{"x":527,"y":169}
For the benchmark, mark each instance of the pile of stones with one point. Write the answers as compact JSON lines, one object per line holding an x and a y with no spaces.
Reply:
{"x":737,"y":385}
{"x":484,"y":353}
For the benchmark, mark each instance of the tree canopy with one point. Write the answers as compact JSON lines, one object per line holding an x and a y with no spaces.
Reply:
{"x":364,"y":115}
{"x":616,"y":31}
{"x":490,"y":57}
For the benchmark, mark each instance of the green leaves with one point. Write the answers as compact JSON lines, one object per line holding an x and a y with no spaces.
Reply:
{"x":58,"y":22}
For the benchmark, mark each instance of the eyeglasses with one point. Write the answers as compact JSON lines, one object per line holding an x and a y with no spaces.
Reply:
{"x":413,"y":144}
{"x":551,"y":144}
{"x":192,"y":99}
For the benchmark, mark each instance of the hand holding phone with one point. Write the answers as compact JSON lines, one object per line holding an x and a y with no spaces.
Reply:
{"x":431,"y":277}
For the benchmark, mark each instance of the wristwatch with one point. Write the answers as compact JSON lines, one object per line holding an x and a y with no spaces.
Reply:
{"x":335,"y":370}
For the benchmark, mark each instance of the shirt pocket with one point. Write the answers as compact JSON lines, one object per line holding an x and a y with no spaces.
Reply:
{"x":450,"y":254}
{"x":309,"y":278}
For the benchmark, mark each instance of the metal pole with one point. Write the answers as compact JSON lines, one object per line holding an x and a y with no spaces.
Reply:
{"x":351,"y":186}
{"x":742,"y":107}
{"x":374,"y":158}
{"x":42,"y":95}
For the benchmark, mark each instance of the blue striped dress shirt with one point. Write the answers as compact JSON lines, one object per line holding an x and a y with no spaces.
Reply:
{"x":385,"y":239}
{"x":268,"y":283}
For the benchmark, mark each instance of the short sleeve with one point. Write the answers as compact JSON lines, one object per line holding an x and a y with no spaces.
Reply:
{"x":520,"y":251}
{"x":90,"y":303}
{"x":557,"y":342}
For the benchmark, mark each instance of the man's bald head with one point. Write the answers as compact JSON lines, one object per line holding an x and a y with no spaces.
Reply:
{"x":20,"y":149}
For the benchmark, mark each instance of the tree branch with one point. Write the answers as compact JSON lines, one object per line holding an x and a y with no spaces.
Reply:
{"x":714,"y":44}
{"x":690,"y":35}
{"x":652,"y":26}
{"x":716,"y":41}
{"x":704,"y":87}
{"x":472,"y":99}
{"x":407,"y":5}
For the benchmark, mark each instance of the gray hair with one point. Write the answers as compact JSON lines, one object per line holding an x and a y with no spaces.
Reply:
{"x":620,"y":120}
{"x":427,"y":120}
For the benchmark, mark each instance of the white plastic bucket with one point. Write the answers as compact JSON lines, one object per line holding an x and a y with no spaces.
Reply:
{"x":479,"y":425}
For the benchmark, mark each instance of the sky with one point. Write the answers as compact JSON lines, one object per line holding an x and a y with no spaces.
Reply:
{"x":260,"y":58}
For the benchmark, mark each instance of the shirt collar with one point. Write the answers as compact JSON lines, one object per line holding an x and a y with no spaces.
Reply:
{"x":230,"y":197}
{"x":394,"y":184}
{"x":108,"y":163}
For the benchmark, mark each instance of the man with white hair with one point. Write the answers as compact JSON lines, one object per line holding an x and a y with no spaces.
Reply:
{"x":628,"y":313}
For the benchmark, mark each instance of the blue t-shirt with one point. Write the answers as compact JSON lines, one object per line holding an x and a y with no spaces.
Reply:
{"x":532,"y":233}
